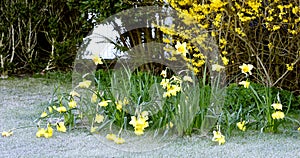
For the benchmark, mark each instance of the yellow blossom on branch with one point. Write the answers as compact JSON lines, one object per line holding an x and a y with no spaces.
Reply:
{"x":225,"y":60}
{"x":290,"y":67}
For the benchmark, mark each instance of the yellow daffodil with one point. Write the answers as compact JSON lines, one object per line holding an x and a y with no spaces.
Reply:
{"x":217,"y":67}
{"x":139,"y":124}
{"x":145,"y":114}
{"x":85,"y":84}
{"x":163,"y":73}
{"x":104,"y":103}
{"x":172,"y":91}
{"x":119,"y":105}
{"x":97,"y":60}
{"x":278,"y":115}
{"x":119,"y":140}
{"x":41,"y":132}
{"x":7,"y":134}
{"x":176,"y":79}
{"x":246,"y":84}
{"x":61,"y":127}
{"x":246,"y":68}
{"x":111,"y":137}
{"x":94,"y":98}
{"x":125,"y":101}
{"x":72,"y":104}
{"x":49,"y":132}
{"x":241,"y":125}
{"x":181,"y":48}
{"x":44,"y":114}
{"x":99,"y":118}
{"x":188,"y":79}
{"x":218,"y":137}
{"x":93,"y":129}
{"x":50,"y":109}
{"x":170,"y":125}
{"x":298,"y":128}
{"x":74,"y":93}
{"x":61,"y":109}
{"x":277,"y":106}
{"x":165,"y":83}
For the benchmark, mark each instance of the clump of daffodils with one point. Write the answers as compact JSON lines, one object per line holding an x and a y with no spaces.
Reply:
{"x":140,"y":123}
{"x":47,"y":133}
{"x":172,"y":85}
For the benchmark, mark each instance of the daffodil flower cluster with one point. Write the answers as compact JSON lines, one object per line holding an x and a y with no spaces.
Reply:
{"x":278,"y":114}
{"x":172,"y":85}
{"x":47,"y":133}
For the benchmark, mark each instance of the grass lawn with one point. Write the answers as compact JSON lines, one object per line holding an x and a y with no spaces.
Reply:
{"x":22,"y":101}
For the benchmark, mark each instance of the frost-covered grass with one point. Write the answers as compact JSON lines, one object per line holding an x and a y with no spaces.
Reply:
{"x":21,"y":103}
